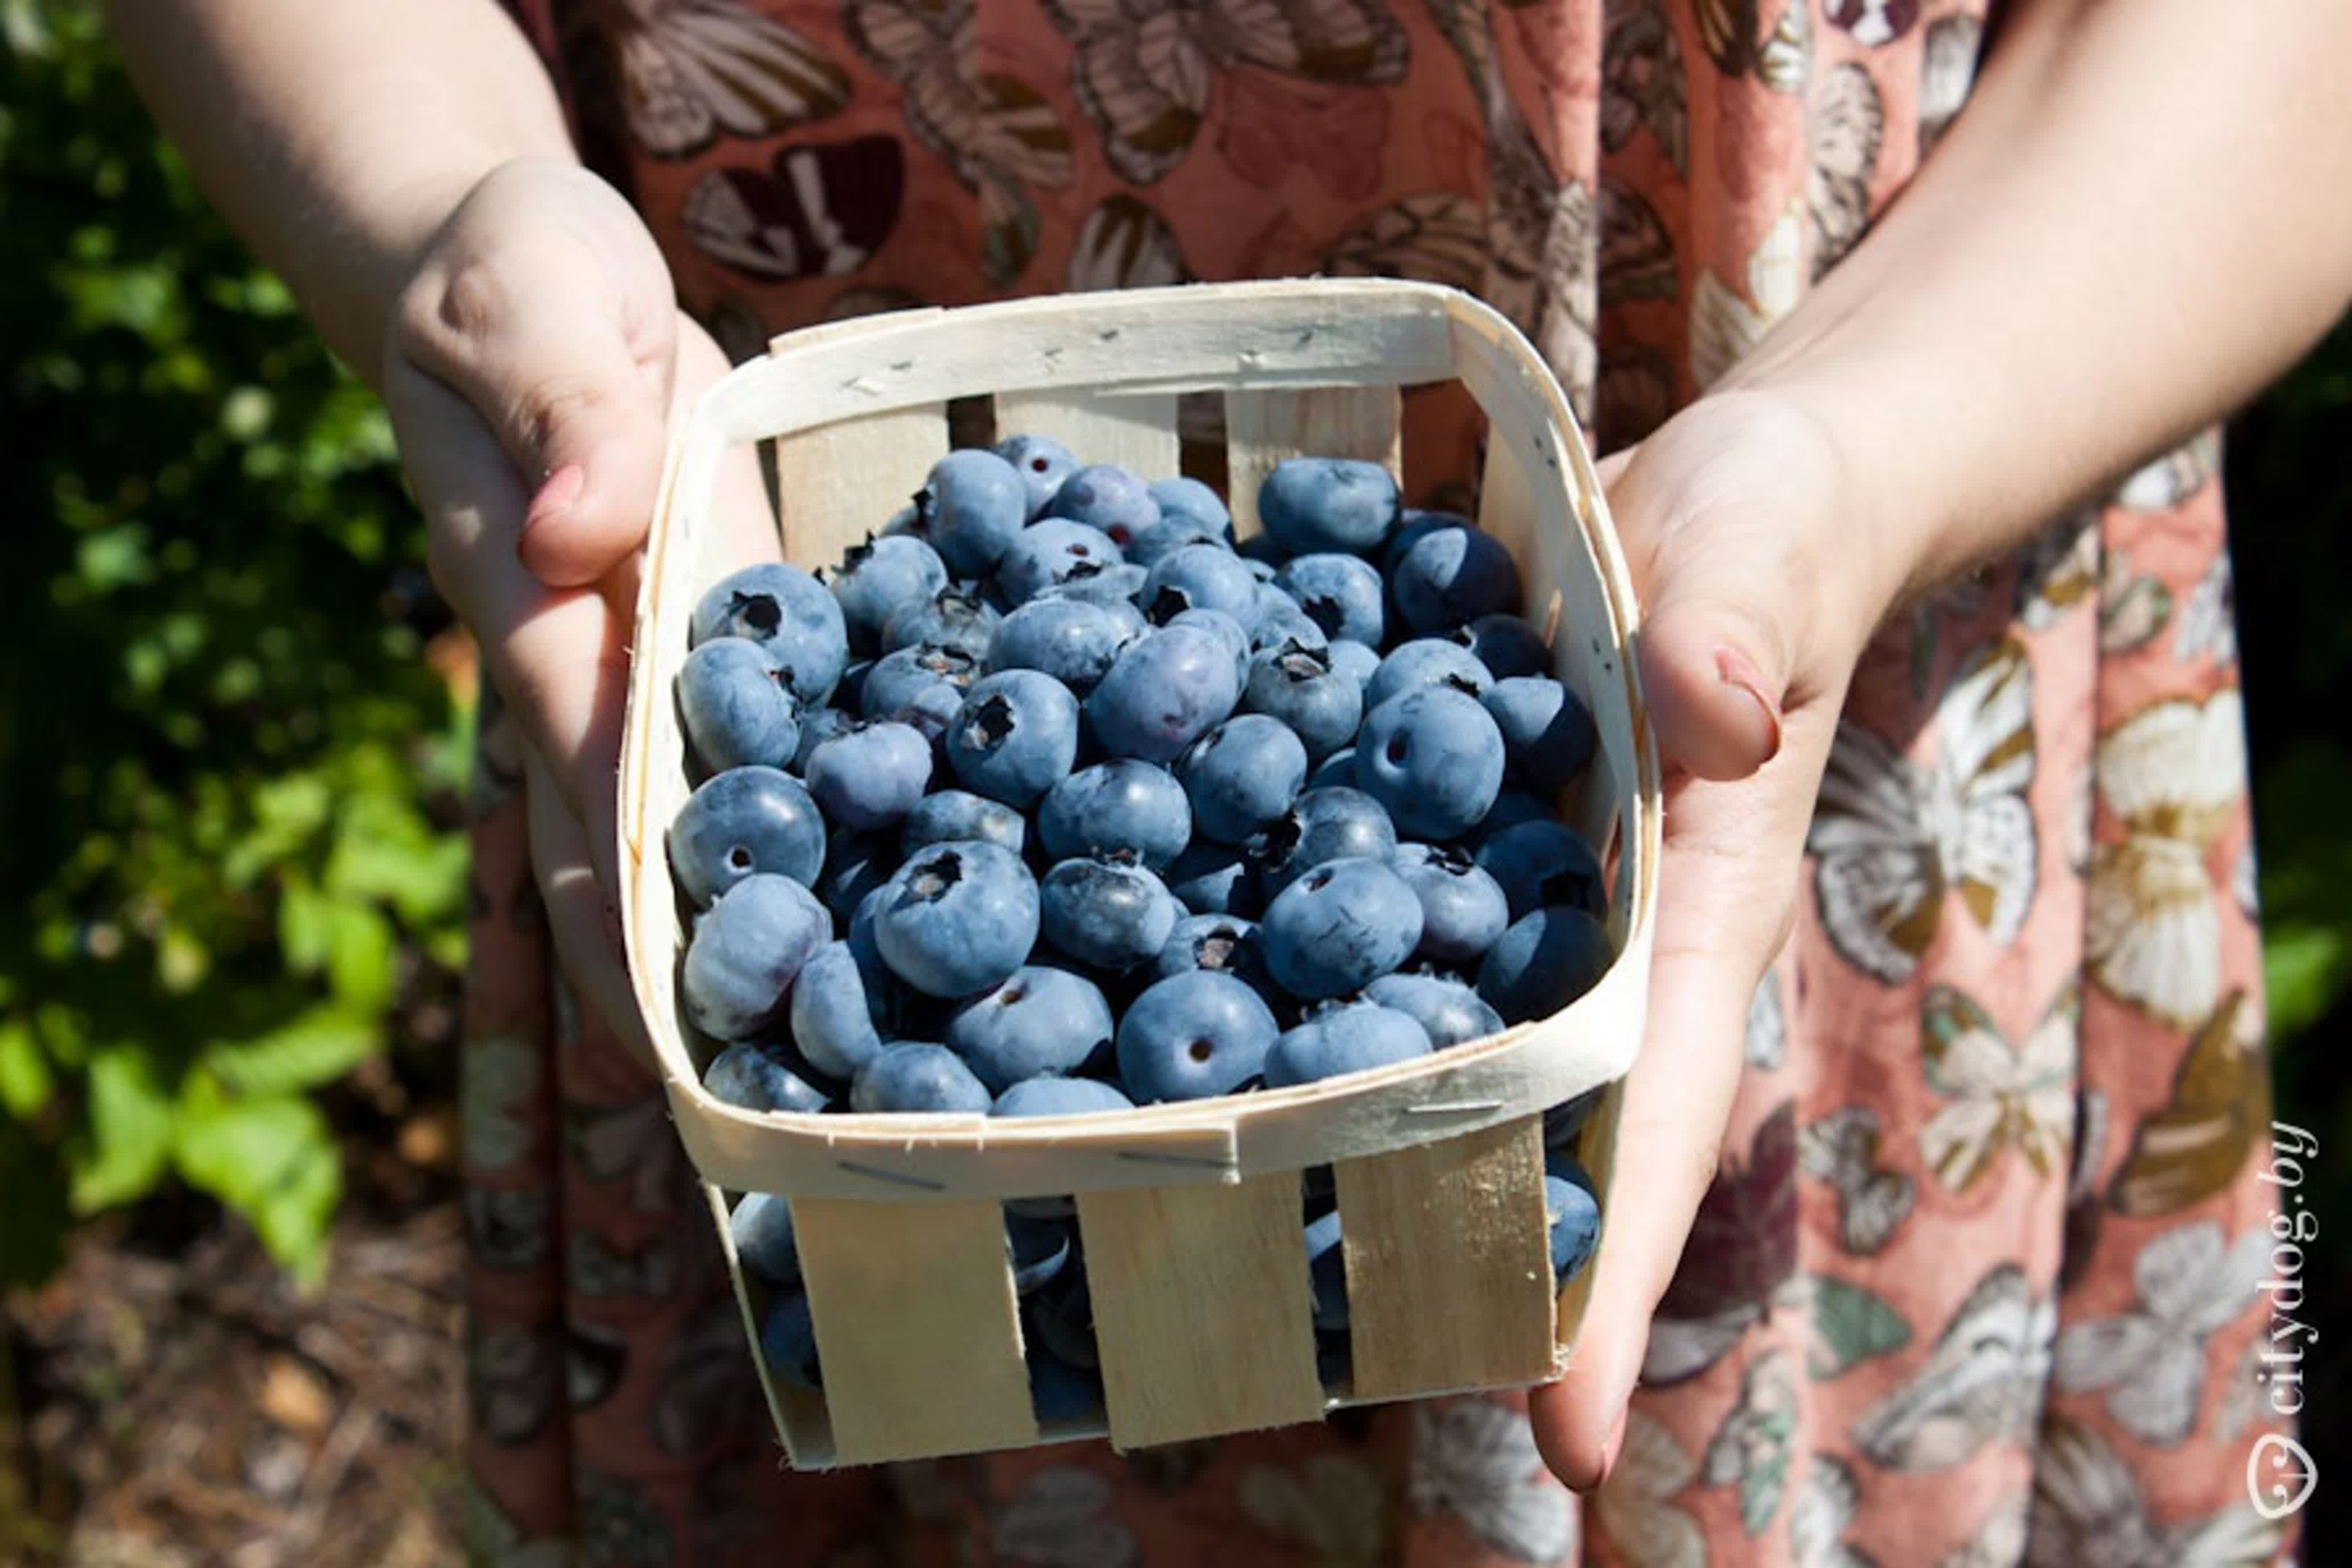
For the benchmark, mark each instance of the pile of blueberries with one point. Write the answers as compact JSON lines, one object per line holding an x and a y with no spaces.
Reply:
{"x":1052,"y":799}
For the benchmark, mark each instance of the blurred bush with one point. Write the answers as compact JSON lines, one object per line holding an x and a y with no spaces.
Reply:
{"x":219,"y":740}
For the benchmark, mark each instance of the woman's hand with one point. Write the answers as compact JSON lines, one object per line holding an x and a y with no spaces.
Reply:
{"x":532,"y":364}
{"x":1759,"y":589}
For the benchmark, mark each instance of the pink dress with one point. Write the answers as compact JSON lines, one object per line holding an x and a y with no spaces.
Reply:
{"x":1982,"y":1278}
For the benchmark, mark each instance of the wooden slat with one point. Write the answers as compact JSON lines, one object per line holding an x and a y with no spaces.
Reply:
{"x":844,"y":481}
{"x":1138,"y":433}
{"x":916,"y":1327}
{"x":1449,"y":1264}
{"x":1200,"y":1309}
{"x":1261,"y":428}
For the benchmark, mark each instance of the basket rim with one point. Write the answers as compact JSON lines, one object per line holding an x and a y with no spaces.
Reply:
{"x":1507,"y":1075}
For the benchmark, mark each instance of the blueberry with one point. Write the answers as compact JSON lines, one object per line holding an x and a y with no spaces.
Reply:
{"x":1042,"y":463}
{"x":971,"y":504}
{"x":952,"y":814}
{"x":1462,"y":908}
{"x":832,"y":1012}
{"x":1571,"y":1213}
{"x":1280,"y":620}
{"x":1350,"y":1037}
{"x":1326,"y":1272}
{"x":740,"y":821}
{"x":1039,"y":1021}
{"x":788,"y":1341}
{"x":1015,"y":737}
{"x":1200,"y":577}
{"x":1546,"y":729}
{"x":1511,"y":808}
{"x":1451,"y":576}
{"x":1069,"y":639}
{"x":1170,"y":534}
{"x":752,"y":1077}
{"x":762,"y":1228}
{"x":850,"y":694}
{"x":870,"y":776}
{"x":1341,"y":594}
{"x":876,"y":578}
{"x":952,"y":618}
{"x":1434,"y":756}
{"x":1188,"y":501}
{"x":1544,"y":962}
{"x":1297,"y":684}
{"x":1059,"y":1097}
{"x":1114,"y":587}
{"x":1106,"y":497}
{"x":1046,"y":553}
{"x":1193,"y":1036}
{"x":1038,"y":1249}
{"x":1214,"y":879}
{"x":819,"y":724}
{"x":732,"y":703}
{"x":1312,"y":504}
{"x":930,"y":713}
{"x":1426,"y":662}
{"x":1328,"y":824}
{"x":1166,"y":689}
{"x":1564,"y":1120}
{"x":1105,"y":914}
{"x":901,"y":676}
{"x":1226,"y":630}
{"x":1506,"y":645}
{"x":786,"y":611}
{"x":958,"y":918}
{"x":1544,"y":862}
{"x":855,"y":866}
{"x":1413,"y":525}
{"x":1242,"y":775}
{"x":1061,"y":1319}
{"x":745,"y":953}
{"x":1058,"y":1392}
{"x":907,"y":523}
{"x":905,"y":1076}
{"x":1117,"y":806}
{"x":1343,"y":924}
{"x":1338,"y":768}
{"x":1448,"y":1012}
{"x":1357,"y":661}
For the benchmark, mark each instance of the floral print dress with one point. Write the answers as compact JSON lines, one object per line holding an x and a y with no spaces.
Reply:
{"x":1978,"y":1281}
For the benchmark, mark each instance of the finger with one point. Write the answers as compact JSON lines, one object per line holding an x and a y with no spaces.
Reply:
{"x":564,"y":337}
{"x":1727,"y":856}
{"x":581,"y":921}
{"x":560,"y":656}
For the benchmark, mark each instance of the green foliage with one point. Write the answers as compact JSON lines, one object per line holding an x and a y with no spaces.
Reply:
{"x":219,"y":750}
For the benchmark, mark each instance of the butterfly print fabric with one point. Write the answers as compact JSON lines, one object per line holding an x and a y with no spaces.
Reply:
{"x":1974,"y":1285}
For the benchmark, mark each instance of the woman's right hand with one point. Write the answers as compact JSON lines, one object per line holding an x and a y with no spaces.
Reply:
{"x":533,"y":364}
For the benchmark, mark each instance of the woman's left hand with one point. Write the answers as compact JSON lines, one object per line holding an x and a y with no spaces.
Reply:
{"x":1759,"y":590}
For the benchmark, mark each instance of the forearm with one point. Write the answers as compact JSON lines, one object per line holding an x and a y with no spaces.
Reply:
{"x":2137,"y":222}
{"x":337,"y":137}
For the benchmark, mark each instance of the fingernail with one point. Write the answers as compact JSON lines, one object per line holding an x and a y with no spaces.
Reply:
{"x":1737,"y":670}
{"x":562,"y":488}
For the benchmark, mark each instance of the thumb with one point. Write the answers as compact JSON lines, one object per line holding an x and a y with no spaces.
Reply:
{"x":1716,"y":511}
{"x":571,"y":370}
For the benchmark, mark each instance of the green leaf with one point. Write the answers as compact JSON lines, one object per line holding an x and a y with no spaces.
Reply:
{"x":1849,"y":1327}
{"x":361,"y":948}
{"x":313,"y":1049}
{"x":25,"y":1079}
{"x":130,"y":1138}
{"x":272,"y":1159}
{"x":2304,"y":968}
{"x":303,"y":913}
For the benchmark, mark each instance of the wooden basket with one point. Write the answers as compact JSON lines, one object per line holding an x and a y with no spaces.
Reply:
{"x":1189,"y":1214}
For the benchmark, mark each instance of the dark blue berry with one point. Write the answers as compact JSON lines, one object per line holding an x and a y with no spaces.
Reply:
{"x":734,"y":706}
{"x":740,"y":821}
{"x":1193,"y":1036}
